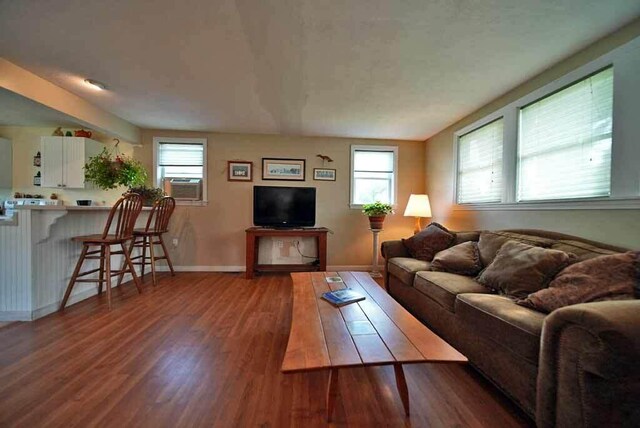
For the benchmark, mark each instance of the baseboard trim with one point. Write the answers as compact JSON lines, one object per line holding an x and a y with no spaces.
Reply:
{"x":15,"y":315}
{"x":231,"y":268}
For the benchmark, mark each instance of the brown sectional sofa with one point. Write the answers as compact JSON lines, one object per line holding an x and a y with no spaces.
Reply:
{"x":576,"y":367}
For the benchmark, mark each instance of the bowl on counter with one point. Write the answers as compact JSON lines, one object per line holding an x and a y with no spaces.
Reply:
{"x":83,"y":202}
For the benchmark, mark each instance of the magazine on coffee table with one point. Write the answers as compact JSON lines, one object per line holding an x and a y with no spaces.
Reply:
{"x":343,"y":297}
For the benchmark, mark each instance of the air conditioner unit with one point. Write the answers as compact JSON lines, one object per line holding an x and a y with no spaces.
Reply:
{"x":183,"y":189}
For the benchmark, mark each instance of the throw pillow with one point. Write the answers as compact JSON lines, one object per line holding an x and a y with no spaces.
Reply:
{"x":520,"y":269}
{"x":426,"y":243}
{"x":490,"y":242}
{"x":463,"y":259}
{"x":614,"y":277}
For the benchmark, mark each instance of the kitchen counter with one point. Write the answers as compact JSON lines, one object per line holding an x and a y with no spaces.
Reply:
{"x":37,"y":257}
{"x":69,"y":208}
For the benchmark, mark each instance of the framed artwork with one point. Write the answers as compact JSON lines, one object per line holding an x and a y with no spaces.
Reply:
{"x":239,"y":171}
{"x":283,"y":169}
{"x":324,"y":174}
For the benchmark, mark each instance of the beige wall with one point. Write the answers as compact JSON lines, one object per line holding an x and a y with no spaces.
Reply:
{"x":214,"y":235}
{"x":612,"y":226}
{"x":26,"y":143}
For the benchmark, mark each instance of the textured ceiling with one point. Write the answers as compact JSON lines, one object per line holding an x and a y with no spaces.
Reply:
{"x":357,"y":68}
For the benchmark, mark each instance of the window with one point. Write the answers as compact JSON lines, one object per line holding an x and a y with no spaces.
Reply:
{"x":373,"y":174}
{"x":180,"y":167}
{"x":564,"y":149}
{"x":480,"y":164}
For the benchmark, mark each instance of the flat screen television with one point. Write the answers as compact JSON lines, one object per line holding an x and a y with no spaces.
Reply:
{"x":285,"y":207}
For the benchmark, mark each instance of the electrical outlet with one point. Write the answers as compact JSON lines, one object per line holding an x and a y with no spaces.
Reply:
{"x":279,"y":243}
{"x":175,"y":242}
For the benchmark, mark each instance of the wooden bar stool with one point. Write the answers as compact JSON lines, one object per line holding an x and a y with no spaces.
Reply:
{"x":151,"y":235}
{"x":127,"y":210}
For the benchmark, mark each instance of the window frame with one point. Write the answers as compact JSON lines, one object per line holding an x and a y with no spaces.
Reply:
{"x":176,"y":140}
{"x":625,"y":192}
{"x":372,"y":148}
{"x":467,"y":130}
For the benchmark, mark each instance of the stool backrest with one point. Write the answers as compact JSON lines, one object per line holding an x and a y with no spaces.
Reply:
{"x":160,"y":215}
{"x":127,"y":209}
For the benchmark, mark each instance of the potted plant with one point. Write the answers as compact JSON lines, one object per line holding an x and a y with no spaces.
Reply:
{"x":108,"y":172}
{"x":377,"y":211}
{"x":149,"y":194}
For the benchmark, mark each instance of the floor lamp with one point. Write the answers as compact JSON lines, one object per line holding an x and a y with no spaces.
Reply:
{"x":418,"y":206}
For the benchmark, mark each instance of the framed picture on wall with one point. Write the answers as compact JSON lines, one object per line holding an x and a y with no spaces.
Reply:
{"x":283,"y":169}
{"x":324,"y":174}
{"x":239,"y":171}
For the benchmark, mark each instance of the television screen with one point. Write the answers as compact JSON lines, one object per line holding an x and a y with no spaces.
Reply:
{"x":284,"y":206}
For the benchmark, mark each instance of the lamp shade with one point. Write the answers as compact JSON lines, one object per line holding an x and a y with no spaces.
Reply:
{"x":418,"y":206}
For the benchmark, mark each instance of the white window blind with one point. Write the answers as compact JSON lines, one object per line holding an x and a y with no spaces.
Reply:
{"x":564,"y":147}
{"x":180,"y":160}
{"x":373,"y":176}
{"x":480,"y":164}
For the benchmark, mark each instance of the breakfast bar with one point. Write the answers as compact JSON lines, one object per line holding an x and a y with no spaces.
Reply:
{"x":38,"y":257}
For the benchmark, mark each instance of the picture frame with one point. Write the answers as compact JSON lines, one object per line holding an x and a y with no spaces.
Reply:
{"x":239,"y":171}
{"x":283,"y":169}
{"x":324,"y":174}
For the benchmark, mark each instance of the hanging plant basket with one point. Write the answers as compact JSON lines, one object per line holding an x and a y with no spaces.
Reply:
{"x":107,"y":171}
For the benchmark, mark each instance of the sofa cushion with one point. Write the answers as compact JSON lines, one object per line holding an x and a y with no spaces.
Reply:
{"x":426,"y":243}
{"x":443,"y":287}
{"x":582,"y":250}
{"x":501,"y":320}
{"x":520,"y":269}
{"x":463,"y":259}
{"x":613,"y":277}
{"x":466,"y":237}
{"x":490,"y":242}
{"x":405,"y":268}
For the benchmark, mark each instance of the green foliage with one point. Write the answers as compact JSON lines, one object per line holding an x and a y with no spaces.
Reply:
{"x":149,"y":194}
{"x":107,"y":172}
{"x":376,"y":209}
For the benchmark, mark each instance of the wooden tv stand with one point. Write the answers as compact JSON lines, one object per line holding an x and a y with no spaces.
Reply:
{"x":254,"y":233}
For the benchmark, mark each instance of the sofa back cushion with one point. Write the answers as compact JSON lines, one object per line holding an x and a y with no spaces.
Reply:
{"x":491,"y":241}
{"x":463,"y":259}
{"x":430,"y":240}
{"x":520,"y":269}
{"x":609,"y":277}
{"x":582,"y":250}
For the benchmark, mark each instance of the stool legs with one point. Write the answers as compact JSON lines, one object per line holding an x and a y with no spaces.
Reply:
{"x":72,"y":281}
{"x":153,"y":259}
{"x":166,"y":254}
{"x":107,"y":268}
{"x":127,"y":258}
{"x":101,"y":270}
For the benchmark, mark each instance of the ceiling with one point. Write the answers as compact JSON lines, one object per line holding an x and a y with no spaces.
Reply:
{"x":17,"y":110}
{"x":349,"y":68}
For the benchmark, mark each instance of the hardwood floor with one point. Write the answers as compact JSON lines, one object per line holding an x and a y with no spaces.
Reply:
{"x":204,"y":349}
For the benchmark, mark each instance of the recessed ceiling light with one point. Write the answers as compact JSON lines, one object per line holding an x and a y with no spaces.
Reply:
{"x":95,"y":84}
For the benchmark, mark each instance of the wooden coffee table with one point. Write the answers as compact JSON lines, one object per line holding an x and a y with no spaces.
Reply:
{"x":376,"y":331}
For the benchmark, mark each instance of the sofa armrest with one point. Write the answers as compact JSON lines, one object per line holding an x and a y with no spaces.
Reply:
{"x":390,"y":249}
{"x":588,"y":369}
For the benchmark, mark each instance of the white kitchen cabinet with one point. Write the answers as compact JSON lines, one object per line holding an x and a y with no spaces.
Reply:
{"x":63,"y":160}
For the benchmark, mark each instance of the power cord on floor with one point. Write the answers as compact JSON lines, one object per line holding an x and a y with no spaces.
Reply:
{"x":315,"y":261}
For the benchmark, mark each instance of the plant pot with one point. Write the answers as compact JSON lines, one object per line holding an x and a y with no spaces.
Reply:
{"x":376,"y":221}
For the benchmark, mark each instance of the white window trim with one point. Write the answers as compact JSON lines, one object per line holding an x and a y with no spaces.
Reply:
{"x":203,"y":141}
{"x":393,"y":149}
{"x":624,"y":191}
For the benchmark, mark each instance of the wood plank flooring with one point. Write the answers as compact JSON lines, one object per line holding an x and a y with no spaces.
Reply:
{"x":205,"y":349}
